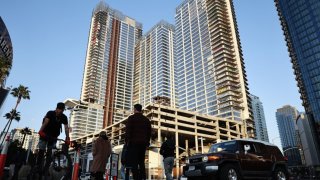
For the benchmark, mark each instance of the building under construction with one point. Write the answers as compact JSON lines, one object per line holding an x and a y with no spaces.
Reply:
{"x":193,"y":133}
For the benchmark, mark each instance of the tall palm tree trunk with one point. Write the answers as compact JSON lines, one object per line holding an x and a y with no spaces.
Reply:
{"x":10,"y":121}
{"x":18,"y":102}
{"x":24,"y":137}
{"x":2,"y":132}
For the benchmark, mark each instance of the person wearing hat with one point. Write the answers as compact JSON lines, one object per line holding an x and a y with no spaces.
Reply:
{"x":49,"y":132}
{"x":101,"y":150}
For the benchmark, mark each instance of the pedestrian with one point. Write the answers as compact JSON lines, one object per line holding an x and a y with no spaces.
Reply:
{"x":101,"y":150}
{"x":167,"y":151}
{"x":49,"y":132}
{"x":137,"y":138}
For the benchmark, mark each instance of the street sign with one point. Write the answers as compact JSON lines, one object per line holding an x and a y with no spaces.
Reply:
{"x":114,"y":164}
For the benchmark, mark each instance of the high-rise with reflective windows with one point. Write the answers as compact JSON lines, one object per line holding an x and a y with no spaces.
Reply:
{"x":6,"y":53}
{"x":6,"y":56}
{"x":210,"y":68}
{"x":300,"y":20}
{"x":154,"y":66}
{"x":261,"y":131}
{"x":289,"y":134}
{"x":106,"y":95}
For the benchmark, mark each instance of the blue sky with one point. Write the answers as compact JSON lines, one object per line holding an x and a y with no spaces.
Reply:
{"x":50,"y":37}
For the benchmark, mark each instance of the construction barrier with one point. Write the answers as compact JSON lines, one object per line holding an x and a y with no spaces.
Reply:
{"x":76,"y":165}
{"x":3,"y":155}
{"x":112,"y":167}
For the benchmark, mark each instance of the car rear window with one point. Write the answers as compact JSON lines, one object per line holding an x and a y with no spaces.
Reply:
{"x":225,"y":146}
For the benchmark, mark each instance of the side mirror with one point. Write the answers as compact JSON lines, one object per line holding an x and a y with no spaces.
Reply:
{"x":246,"y":148}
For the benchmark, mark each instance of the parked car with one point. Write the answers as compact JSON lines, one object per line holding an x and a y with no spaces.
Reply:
{"x":238,"y":159}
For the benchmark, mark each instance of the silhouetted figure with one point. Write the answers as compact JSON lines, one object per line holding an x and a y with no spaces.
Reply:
{"x":101,"y":150}
{"x":137,"y":138}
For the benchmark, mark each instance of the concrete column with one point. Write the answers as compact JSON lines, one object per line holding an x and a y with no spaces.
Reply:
{"x":196,"y":141}
{"x":196,"y":134}
{"x":177,"y":153}
{"x":112,"y":135}
{"x":218,"y":131}
{"x":228,"y":127}
{"x":238,"y":130}
{"x":187,"y":147}
{"x":119,"y":138}
{"x":202,"y":145}
{"x":159,"y":141}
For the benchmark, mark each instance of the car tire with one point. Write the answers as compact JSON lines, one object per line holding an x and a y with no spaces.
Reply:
{"x":279,"y":174}
{"x":229,"y":172}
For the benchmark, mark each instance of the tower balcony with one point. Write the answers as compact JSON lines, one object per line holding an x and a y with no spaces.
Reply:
{"x":229,"y":93}
{"x":227,"y":78}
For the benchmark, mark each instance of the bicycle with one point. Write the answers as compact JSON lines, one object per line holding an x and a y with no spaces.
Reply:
{"x":53,"y":165}
{"x":58,"y":170}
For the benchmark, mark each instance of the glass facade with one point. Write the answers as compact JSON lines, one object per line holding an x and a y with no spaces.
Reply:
{"x":6,"y":56}
{"x":108,"y":72}
{"x":300,"y":21}
{"x":154,"y":66}
{"x":210,"y":69}
{"x":288,"y":130}
{"x":124,"y":73}
{"x":259,"y":119}
{"x":6,"y":53}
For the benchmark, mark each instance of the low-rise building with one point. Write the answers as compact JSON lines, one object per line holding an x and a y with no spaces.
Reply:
{"x":31,"y":140}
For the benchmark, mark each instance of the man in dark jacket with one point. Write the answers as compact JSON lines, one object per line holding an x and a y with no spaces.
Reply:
{"x":137,"y":138}
{"x":167,"y":151}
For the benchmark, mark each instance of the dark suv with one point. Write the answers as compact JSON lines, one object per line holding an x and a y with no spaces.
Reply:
{"x":238,"y":159}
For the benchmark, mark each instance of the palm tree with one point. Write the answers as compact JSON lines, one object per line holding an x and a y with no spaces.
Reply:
{"x":20,"y":92}
{"x":13,"y":115}
{"x":25,"y":131}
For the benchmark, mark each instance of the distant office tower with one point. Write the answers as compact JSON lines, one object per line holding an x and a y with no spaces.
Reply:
{"x":308,"y":146}
{"x":210,"y":67}
{"x":259,"y":119}
{"x":288,"y":130}
{"x":6,"y":55}
{"x":106,"y":95}
{"x":300,"y":20}
{"x":154,"y":66}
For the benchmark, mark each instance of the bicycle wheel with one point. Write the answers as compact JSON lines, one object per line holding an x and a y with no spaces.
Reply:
{"x":62,"y":165}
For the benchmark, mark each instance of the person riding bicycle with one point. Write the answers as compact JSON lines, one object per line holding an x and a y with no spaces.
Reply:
{"x":49,"y":132}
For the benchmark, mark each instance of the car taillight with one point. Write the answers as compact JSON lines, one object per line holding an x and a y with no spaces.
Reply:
{"x":213,"y":158}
